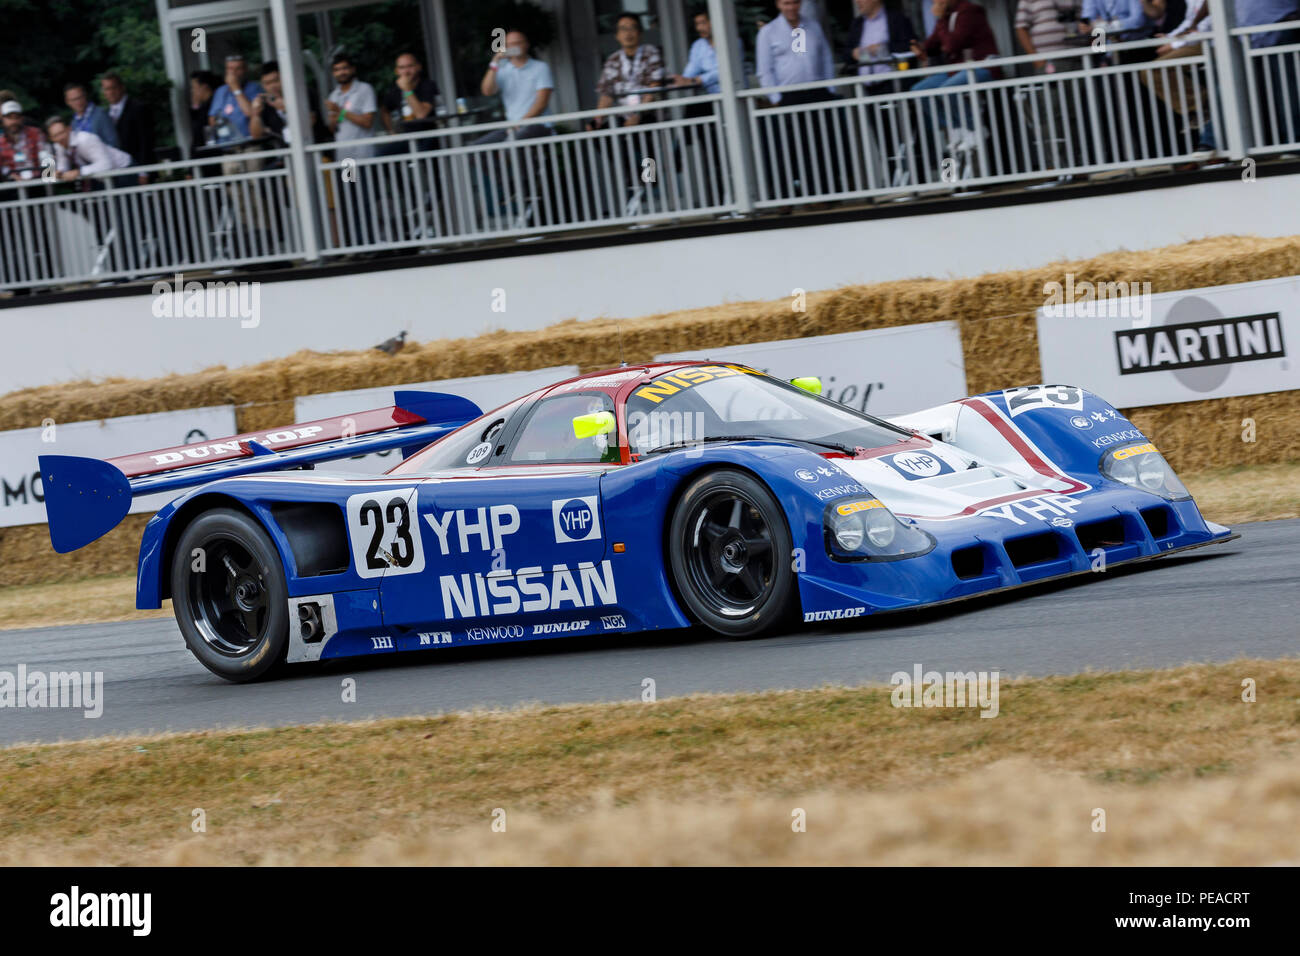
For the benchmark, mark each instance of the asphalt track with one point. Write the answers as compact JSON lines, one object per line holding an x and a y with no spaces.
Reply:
{"x":1241,"y":599}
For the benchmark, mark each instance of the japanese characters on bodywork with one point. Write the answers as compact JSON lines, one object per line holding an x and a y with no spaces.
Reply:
{"x":1094,"y":425}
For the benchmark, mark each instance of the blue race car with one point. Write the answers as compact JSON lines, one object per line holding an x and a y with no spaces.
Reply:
{"x":639,"y":498}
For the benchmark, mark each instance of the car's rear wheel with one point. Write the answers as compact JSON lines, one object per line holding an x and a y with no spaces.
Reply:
{"x":729,"y":550}
{"x":229,"y":595}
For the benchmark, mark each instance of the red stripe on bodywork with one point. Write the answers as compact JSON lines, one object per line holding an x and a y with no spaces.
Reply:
{"x":1017,"y":441}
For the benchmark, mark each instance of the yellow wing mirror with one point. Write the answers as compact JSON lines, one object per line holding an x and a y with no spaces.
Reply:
{"x":597,"y":423}
{"x":809,"y":383}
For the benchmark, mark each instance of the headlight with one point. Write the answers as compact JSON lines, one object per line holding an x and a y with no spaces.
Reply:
{"x":863,"y":529}
{"x":849,"y":533}
{"x":1141,"y":466}
{"x":880,"y":527}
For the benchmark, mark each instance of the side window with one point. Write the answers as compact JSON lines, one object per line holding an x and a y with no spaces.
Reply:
{"x":471,"y":447}
{"x":548,"y":435}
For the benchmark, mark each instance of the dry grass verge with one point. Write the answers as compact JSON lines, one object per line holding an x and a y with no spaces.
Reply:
{"x":703,"y":779}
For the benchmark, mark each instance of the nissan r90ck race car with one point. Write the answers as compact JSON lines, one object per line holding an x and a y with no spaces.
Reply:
{"x":640,"y":498}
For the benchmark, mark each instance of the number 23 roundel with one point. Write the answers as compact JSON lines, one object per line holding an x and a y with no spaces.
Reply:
{"x":385,"y":533}
{"x":1029,"y":397}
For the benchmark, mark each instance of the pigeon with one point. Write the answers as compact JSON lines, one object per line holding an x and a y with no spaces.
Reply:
{"x":394,"y":345}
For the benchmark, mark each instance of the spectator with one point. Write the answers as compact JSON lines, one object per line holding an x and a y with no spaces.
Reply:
{"x":961,"y":34}
{"x":203,"y":83}
{"x":232,"y":103}
{"x":350,"y":109}
{"x":1044,"y":26}
{"x":1167,"y":15}
{"x":350,"y":113}
{"x":1254,"y":13}
{"x":702,"y":63}
{"x":703,"y":144}
{"x":784,"y":60}
{"x":78,"y":153}
{"x":410,"y":103}
{"x":132,"y":121}
{"x":8,"y":95}
{"x":86,"y":116}
{"x":1122,"y":20}
{"x":21,"y":145}
{"x":876,"y":34}
{"x":525,"y":86}
{"x":270,"y":110}
{"x":633,"y":66}
{"x":798,"y":160}
{"x":269,"y":117}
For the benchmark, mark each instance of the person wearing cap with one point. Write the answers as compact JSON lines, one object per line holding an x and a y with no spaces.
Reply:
{"x":20,"y":145}
{"x":86,"y":116}
{"x":78,"y":153}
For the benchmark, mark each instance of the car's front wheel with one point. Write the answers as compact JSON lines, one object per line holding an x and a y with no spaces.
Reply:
{"x":229,"y":595}
{"x":729,"y":550}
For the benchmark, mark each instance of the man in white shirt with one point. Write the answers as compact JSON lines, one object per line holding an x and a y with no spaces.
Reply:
{"x":78,"y":153}
{"x":350,"y":112}
{"x":350,"y":109}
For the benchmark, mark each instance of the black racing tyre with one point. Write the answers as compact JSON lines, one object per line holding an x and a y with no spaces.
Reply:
{"x":229,"y":595}
{"x":729,"y":552}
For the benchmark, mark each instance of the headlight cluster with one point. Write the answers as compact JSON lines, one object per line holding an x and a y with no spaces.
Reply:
{"x":1143,"y":468}
{"x":863,"y":529}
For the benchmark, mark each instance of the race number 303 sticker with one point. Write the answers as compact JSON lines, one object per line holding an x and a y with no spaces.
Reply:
{"x":1028,"y":397}
{"x":384,"y":533}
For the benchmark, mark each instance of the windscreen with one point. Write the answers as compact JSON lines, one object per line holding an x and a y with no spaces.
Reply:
{"x":717,"y":402}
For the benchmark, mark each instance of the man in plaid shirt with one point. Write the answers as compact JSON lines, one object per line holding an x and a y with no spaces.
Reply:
{"x":634,"y":66}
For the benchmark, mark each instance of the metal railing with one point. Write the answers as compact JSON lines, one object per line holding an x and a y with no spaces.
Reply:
{"x":452,"y":185}
{"x":876,"y":138}
{"x":856,"y":138}
{"x":1273,"y":85}
{"x":112,"y":227}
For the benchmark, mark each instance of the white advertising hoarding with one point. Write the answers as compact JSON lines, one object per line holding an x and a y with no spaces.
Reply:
{"x":1177,"y":346}
{"x":486,"y":391}
{"x":891,"y":371}
{"x":24,"y":497}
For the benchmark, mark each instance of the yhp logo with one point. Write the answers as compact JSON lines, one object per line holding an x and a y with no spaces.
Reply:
{"x":576,"y":519}
{"x":918,"y":465}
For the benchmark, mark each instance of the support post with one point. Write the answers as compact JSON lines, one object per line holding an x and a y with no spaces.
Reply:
{"x":288,"y":44}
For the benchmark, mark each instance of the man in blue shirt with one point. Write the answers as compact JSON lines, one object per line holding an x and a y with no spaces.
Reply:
{"x":1121,"y":19}
{"x":798,"y":145}
{"x":1255,"y":13}
{"x":525,"y":86}
{"x":793,"y":50}
{"x":233,"y":101}
{"x":702,"y":64}
{"x":86,"y":116}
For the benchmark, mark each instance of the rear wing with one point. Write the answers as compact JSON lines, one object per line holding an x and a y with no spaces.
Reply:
{"x":85,"y":498}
